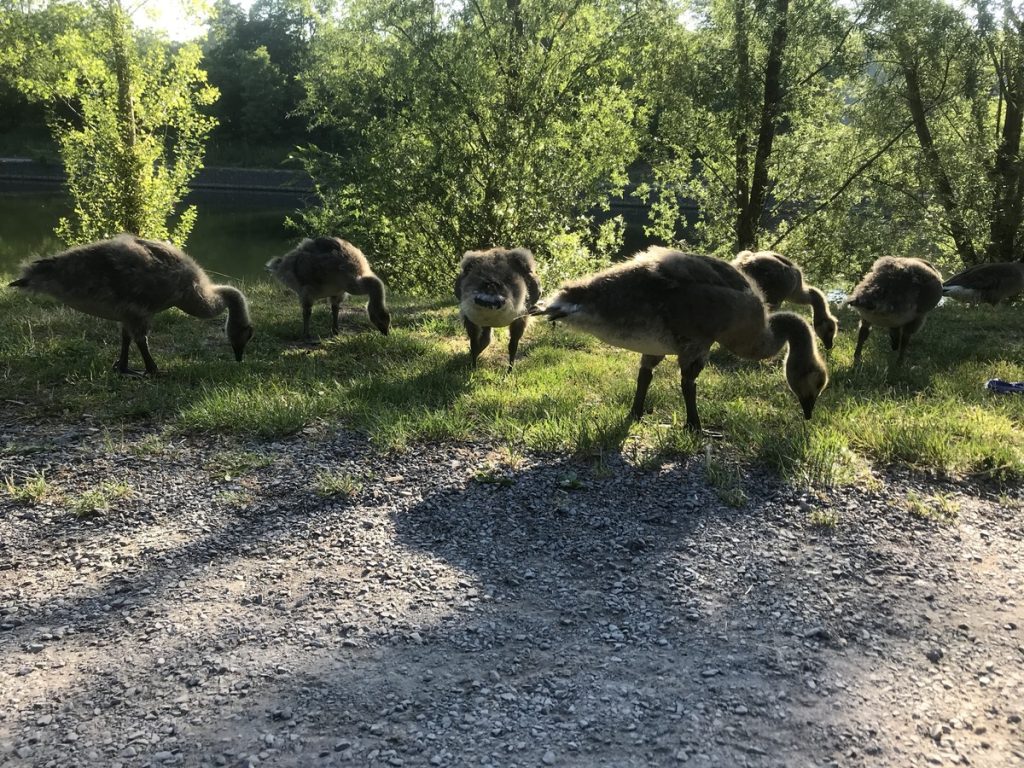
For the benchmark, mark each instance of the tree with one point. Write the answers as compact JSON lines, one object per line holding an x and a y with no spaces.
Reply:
{"x":125,"y":114}
{"x":471,"y":124}
{"x":254,"y":58}
{"x":750,"y":83}
{"x":963,"y":78}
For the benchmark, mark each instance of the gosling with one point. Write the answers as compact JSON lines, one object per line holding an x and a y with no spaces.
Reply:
{"x":329,"y":267}
{"x":988,"y":283}
{"x":129,"y":279}
{"x":781,"y":280}
{"x":897,"y":293}
{"x":667,"y":302}
{"x":496,"y":288}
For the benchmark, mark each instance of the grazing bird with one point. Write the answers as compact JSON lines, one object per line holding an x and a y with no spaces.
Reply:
{"x":781,"y":280}
{"x":496,"y":288}
{"x":896,"y":294}
{"x":989,"y":283}
{"x":667,"y":302}
{"x":329,"y":267}
{"x":129,"y":279}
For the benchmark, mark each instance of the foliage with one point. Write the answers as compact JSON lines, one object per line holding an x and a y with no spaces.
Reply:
{"x":750,"y":84}
{"x":254,"y":58}
{"x":470,"y":125}
{"x":125,"y":114}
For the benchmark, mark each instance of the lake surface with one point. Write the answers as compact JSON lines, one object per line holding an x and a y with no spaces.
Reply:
{"x":233,"y":237}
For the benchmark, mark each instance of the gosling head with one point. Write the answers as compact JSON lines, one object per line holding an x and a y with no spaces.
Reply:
{"x":808,"y":379}
{"x":239,"y":333}
{"x":380,"y":317}
{"x":826,"y":329}
{"x":272,"y":265}
{"x":489,"y":294}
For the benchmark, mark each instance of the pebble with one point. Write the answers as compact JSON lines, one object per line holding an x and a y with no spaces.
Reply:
{"x":548,"y":758}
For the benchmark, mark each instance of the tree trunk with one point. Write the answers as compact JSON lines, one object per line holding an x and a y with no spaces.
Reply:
{"x":943,"y":187}
{"x":750,"y":217}
{"x":1007,"y":187}
{"x":741,"y":127}
{"x":132,"y":179}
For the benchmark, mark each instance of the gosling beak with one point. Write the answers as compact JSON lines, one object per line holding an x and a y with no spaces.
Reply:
{"x":808,"y":406}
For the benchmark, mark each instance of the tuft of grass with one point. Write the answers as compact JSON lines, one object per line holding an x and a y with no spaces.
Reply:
{"x":234,"y":498}
{"x":941,"y":507}
{"x":31,"y":490}
{"x":337,"y":484}
{"x":152,"y":446}
{"x":568,"y":393}
{"x":98,"y":500}
{"x":824,"y":518}
{"x":235,"y":463}
{"x":571,"y":482}
{"x":725,"y":478}
{"x":492,"y":474}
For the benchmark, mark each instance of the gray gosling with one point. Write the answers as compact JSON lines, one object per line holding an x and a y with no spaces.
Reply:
{"x":988,"y":283}
{"x":496,"y":288}
{"x":129,"y":279}
{"x":896,"y":294}
{"x":330,"y":268}
{"x":667,"y":302}
{"x":781,"y":280}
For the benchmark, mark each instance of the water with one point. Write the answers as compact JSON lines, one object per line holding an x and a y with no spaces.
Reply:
{"x":233,"y":236}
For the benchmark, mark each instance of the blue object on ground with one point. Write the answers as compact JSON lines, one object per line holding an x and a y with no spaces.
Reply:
{"x":1005,"y":387}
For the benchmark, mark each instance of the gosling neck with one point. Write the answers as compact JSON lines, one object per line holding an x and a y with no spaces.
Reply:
{"x":374,"y":289}
{"x":238,"y":308}
{"x":818,"y":302}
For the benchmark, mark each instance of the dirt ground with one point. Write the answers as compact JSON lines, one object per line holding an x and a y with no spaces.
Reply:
{"x":462,"y":605}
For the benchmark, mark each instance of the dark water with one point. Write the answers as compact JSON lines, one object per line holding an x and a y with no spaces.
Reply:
{"x":233,"y":237}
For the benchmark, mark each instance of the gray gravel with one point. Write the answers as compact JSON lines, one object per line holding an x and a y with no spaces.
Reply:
{"x":465,"y":606}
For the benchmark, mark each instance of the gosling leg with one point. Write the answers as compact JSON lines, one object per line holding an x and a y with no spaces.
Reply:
{"x":479,"y":338}
{"x":643,"y":383}
{"x":908,"y":330}
{"x":688,"y":375}
{"x":121,"y":364}
{"x":141,"y":336}
{"x":307,"y":312}
{"x":335,"y":309}
{"x":862,"y":336}
{"x":515,"y":333}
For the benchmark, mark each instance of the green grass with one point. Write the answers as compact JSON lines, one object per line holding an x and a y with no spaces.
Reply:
{"x":941,"y":507}
{"x":234,"y":463}
{"x":337,"y":484}
{"x":568,"y":392}
{"x":96,"y":501}
{"x":31,"y":490}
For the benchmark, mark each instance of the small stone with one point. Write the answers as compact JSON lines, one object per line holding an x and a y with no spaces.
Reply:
{"x":934,"y":655}
{"x":44,"y":720}
{"x":436,"y":760}
{"x":1013,"y":719}
{"x":163,"y":757}
{"x":741,"y":710}
{"x":24,"y":752}
{"x":548,"y":758}
{"x":710,"y":672}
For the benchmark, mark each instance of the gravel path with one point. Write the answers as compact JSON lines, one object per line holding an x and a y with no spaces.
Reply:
{"x":464,"y":606}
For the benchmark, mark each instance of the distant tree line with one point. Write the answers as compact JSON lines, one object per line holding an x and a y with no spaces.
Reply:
{"x":834,"y":130}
